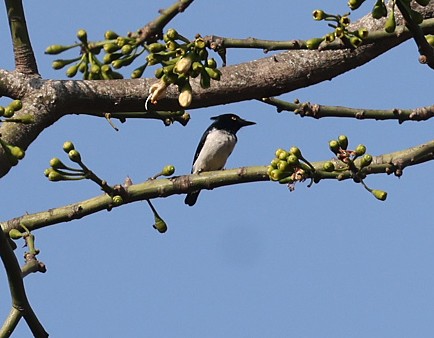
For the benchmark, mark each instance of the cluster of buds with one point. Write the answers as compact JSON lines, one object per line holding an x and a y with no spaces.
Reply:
{"x":289,"y":167}
{"x":341,"y":32}
{"x":181,"y":60}
{"x":120,"y":52}
{"x":355,"y":161}
{"x":339,"y":148}
{"x":59,"y":171}
{"x":380,"y":10}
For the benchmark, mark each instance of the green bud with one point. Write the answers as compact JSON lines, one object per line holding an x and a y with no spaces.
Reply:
{"x":16,"y":105}
{"x":56,"y":163}
{"x":54,"y":176}
{"x":110,"y":35}
{"x":274,"y":163}
{"x":82,"y":67}
{"x":366,"y":160}
{"x":318,"y":15}
{"x":111,"y":47}
{"x":203,"y":54}
{"x":160,"y":225}
{"x":117,"y":200}
{"x":283,"y":155}
{"x":278,"y":151}
{"x":343,"y":141}
{"x":159,"y":72}
{"x":276,"y":175}
{"x":110,"y":57}
{"x":334,"y":146}
{"x":68,"y":146}
{"x":56,"y":49}
{"x":199,"y":43}
{"x":168,"y":170}
{"x":362,"y":33}
{"x":295,"y":151}
{"x":59,"y":64}
{"x":355,"y":41}
{"x":172,"y":34}
{"x":390,"y":25}
{"x":95,"y":69}
{"x":360,"y":150}
{"x":329,"y":37}
{"x":293,"y":160}
{"x":138,"y":72}
{"x":126,"y":49}
{"x":211,"y":63}
{"x":17,"y":152}
{"x":9,"y":112}
{"x":328,"y":166}
{"x":214,"y":74}
{"x":156,"y":47}
{"x":345,"y":21}
{"x":283,"y":165}
{"x":379,"y":10}
{"x":314,"y":43}
{"x":171,"y":46}
{"x":15,"y":234}
{"x":72,"y":71}
{"x":379,"y":194}
{"x":82,"y":35}
{"x":74,"y":156}
{"x":354,"y":4}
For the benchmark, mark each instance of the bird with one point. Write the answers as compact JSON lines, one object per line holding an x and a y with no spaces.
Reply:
{"x":215,"y":146}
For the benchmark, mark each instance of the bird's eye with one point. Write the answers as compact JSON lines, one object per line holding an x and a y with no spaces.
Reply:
{"x":234,"y":118}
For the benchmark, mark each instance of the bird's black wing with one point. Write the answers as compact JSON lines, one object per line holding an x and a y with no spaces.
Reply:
{"x":200,"y":145}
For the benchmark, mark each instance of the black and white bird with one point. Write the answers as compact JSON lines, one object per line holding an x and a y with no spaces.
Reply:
{"x":215,"y":146}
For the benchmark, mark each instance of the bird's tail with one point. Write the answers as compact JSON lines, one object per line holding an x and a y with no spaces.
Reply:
{"x":191,"y":198}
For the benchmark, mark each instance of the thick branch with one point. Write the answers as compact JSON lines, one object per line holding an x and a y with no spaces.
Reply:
{"x":49,"y":100}
{"x":386,"y":163}
{"x":25,"y":61}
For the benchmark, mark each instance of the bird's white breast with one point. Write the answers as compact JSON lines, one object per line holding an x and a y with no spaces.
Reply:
{"x":215,"y":151}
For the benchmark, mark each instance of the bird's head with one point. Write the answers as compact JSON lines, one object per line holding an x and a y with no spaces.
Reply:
{"x":230,"y":122}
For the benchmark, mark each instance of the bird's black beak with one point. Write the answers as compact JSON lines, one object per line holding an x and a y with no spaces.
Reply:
{"x":245,"y":123}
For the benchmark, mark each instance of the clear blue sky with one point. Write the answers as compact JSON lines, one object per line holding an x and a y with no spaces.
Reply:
{"x":250,"y":260}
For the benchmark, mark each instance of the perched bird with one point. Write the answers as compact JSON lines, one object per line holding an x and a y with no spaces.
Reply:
{"x":215,"y":146}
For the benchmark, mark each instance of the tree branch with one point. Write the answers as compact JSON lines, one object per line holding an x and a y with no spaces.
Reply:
{"x":48,"y":100}
{"x":386,"y":163}
{"x":154,"y":30}
{"x":17,"y":290}
{"x":318,"y":111}
{"x":25,"y":61}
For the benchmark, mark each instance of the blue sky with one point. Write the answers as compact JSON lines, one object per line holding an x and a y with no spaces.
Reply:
{"x":250,"y":260}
